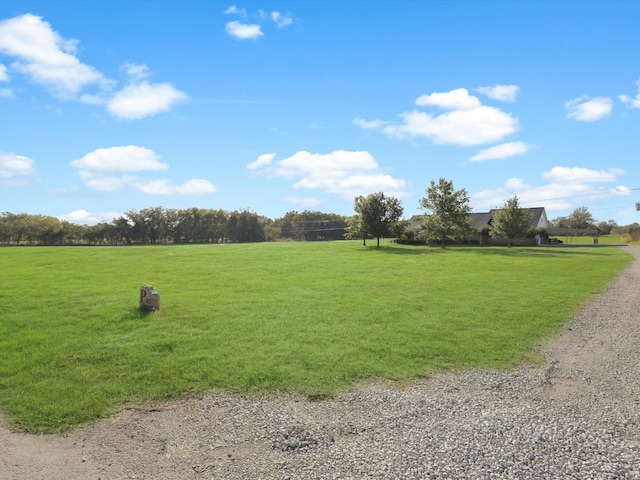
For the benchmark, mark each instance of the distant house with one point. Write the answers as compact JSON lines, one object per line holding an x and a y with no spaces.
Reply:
{"x":482,"y":225}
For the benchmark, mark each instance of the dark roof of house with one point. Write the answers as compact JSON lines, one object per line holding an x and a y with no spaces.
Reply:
{"x":537,"y":213}
{"x":482,"y":220}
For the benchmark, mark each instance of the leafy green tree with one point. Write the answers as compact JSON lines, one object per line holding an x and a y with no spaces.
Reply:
{"x":121,"y":230}
{"x":311,"y":226}
{"x":7,"y":227}
{"x":448,"y":211}
{"x":216,"y":227}
{"x":605,"y":228}
{"x":354,"y":230}
{"x":511,"y":221}
{"x":627,"y":229}
{"x":139,"y":231}
{"x":189,"y":221}
{"x":155,"y":219}
{"x":376,"y":216}
{"x":581,"y":218}
{"x":36,"y":229}
{"x":98,"y":234}
{"x":245,"y":226}
{"x":560,"y":222}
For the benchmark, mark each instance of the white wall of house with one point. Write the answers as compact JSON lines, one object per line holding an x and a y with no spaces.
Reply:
{"x":544,"y":221}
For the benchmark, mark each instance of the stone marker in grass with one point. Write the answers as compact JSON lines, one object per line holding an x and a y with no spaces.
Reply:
{"x":149,"y":299}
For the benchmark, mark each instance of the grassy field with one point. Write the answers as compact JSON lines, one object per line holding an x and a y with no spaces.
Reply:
{"x":312,"y":318}
{"x":602,"y":240}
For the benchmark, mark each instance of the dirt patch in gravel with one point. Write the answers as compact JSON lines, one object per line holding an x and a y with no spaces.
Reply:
{"x":224,"y":436}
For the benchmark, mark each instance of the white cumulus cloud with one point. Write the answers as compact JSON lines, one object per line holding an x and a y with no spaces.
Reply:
{"x":369,"y":125}
{"x":464,"y":122}
{"x":565,"y":188}
{"x":45,"y":57}
{"x":14,"y":168}
{"x":130,"y":158}
{"x":108,"y":169}
{"x":144,"y":99}
{"x":280,"y":19}
{"x":244,"y":31}
{"x":505,"y":150}
{"x":251,"y":31}
{"x":633,"y":102}
{"x":235,"y":10}
{"x":504,"y":93}
{"x":466,"y":127}
{"x":196,"y":186}
{"x":581,"y":175}
{"x":261,"y":161}
{"x":89,"y":218}
{"x":136,"y":71}
{"x":515,"y":183}
{"x":344,"y":173}
{"x":103,"y":168}
{"x":103,"y":182}
{"x":585,"y":109}
{"x":458,"y":99}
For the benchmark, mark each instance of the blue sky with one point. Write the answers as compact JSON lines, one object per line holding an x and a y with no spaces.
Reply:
{"x":108,"y":106}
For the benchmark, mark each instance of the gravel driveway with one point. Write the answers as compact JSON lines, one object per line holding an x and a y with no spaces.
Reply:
{"x":576,"y":417}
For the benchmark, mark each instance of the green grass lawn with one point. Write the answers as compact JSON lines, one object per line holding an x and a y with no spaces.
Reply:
{"x":313,"y":318}
{"x":602,"y":240}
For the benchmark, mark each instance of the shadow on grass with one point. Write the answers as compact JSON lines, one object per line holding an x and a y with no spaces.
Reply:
{"x":525,"y":252}
{"x":403,"y":249}
{"x":497,"y":251}
{"x":136,"y":314}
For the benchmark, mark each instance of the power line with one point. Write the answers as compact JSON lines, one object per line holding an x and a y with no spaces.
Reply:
{"x":595,"y":195}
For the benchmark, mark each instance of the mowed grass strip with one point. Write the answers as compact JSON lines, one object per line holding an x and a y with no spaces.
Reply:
{"x":313,"y":318}
{"x":603,"y":240}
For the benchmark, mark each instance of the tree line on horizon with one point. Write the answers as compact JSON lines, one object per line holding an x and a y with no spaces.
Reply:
{"x":159,"y":225}
{"x":376,"y":216}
